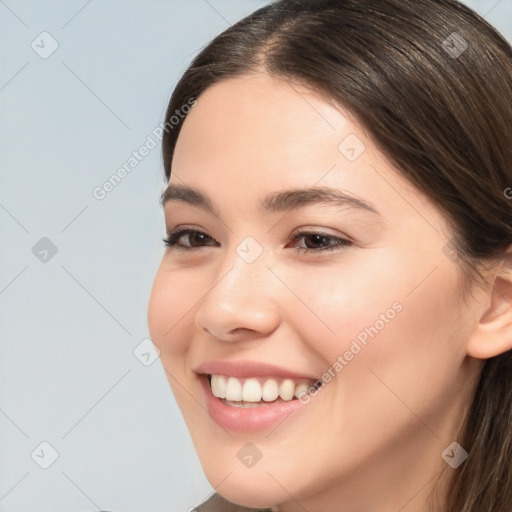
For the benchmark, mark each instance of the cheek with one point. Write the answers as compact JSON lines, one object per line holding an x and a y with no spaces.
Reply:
{"x":335,"y":305}
{"x":170,"y":321}
{"x":415,"y":357}
{"x":170,"y":310}
{"x":388,"y":318}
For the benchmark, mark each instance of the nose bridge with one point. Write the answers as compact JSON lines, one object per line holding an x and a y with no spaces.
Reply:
{"x":240,"y":299}
{"x":243,"y":269}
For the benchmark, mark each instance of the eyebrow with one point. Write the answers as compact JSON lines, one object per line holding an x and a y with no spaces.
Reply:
{"x":276,"y":202}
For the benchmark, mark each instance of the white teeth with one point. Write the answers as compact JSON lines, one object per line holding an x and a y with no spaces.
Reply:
{"x":218,"y":386}
{"x":270,"y":390}
{"x":301,"y":390}
{"x":233,"y":389}
{"x":257,"y":389}
{"x":251,"y":391}
{"x":287,"y":389}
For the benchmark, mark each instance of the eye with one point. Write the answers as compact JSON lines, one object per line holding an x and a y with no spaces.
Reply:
{"x":319,"y":242}
{"x":309,"y":242}
{"x":188,"y":239}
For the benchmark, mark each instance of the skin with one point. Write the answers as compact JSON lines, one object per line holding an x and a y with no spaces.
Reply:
{"x":372,"y":438}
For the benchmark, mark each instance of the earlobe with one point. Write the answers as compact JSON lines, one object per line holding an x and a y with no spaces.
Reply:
{"x":493,"y":333}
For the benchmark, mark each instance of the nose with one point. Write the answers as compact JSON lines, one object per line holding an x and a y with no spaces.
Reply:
{"x":240,"y":304}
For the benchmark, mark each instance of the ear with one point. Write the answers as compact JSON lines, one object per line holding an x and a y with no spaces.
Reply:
{"x":493,"y":333}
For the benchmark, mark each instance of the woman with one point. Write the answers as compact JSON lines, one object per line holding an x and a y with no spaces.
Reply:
{"x":333,"y":308}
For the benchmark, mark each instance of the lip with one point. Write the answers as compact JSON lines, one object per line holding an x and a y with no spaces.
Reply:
{"x":252,"y":419}
{"x":246,"y":368}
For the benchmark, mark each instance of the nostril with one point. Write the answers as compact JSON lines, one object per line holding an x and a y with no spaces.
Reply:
{"x":241,"y":330}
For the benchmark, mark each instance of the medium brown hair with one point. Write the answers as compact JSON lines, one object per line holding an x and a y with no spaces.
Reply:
{"x":431,"y":82}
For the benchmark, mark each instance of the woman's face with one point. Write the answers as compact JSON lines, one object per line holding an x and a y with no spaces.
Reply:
{"x":307,"y":258}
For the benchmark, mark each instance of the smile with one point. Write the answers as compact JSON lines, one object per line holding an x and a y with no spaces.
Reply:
{"x":247,"y":392}
{"x":251,"y":396}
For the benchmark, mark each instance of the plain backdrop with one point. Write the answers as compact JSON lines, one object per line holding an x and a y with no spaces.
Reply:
{"x":87,"y":418}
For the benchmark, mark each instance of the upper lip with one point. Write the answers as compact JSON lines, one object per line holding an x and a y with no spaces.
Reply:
{"x":246,"y":368}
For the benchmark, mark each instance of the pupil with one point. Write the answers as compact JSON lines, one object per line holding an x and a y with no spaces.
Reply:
{"x":318,"y":240}
{"x":196,"y":237}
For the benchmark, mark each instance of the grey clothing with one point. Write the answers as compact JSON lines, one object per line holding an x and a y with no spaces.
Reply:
{"x":218,"y":504}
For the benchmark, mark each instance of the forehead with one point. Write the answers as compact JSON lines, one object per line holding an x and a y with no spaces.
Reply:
{"x":252,"y":135}
{"x":258,"y":101}
{"x":257,"y":123}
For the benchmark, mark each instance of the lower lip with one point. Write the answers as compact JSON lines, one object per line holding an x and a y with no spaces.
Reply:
{"x":247,"y":419}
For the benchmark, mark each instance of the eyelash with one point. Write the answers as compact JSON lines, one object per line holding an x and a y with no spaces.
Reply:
{"x":172,"y":241}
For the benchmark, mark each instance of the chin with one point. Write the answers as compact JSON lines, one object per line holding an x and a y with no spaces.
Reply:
{"x":279,"y":474}
{"x":247,"y":487}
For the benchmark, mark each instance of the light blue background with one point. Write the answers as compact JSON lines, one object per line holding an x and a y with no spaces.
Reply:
{"x":69,"y":326}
